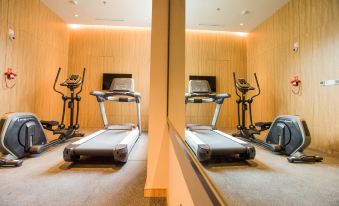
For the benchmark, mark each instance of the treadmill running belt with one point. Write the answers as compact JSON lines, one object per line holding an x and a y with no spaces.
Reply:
{"x":218,"y":143}
{"x":102,"y":144}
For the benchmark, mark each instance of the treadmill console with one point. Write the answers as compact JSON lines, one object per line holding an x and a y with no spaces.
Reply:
{"x":72,"y":81}
{"x":199,"y":86}
{"x":122,"y":85}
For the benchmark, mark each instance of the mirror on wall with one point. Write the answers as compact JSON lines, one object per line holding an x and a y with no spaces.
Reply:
{"x":243,"y":64}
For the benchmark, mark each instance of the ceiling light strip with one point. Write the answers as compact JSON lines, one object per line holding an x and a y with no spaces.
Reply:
{"x":242,"y":34}
{"x":87,"y":26}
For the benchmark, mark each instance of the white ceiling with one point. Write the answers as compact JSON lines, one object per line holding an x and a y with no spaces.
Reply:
{"x":135,"y":13}
{"x":223,"y":15}
{"x":203,"y":14}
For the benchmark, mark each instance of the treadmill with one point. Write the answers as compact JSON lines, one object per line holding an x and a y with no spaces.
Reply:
{"x":204,"y":140}
{"x":114,"y":141}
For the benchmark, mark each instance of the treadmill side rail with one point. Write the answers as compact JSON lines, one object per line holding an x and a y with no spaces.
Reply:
{"x":93,"y":135}
{"x":250,"y":149}
{"x":120,"y":153}
{"x":69,"y":153}
{"x":200,"y":149}
{"x":123,"y":149}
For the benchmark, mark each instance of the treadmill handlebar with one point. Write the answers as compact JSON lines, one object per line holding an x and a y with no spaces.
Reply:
{"x":103,"y":96}
{"x":205,"y":97}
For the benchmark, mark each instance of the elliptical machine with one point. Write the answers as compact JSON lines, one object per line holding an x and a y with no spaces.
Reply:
{"x":22,"y":134}
{"x":72,"y":82}
{"x":287,"y":135}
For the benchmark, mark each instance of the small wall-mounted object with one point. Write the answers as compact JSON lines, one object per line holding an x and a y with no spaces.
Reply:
{"x":329,"y":82}
{"x":296,"y":83}
{"x":11,"y":34}
{"x":296,"y":46}
{"x":10,"y":74}
{"x":10,"y":77}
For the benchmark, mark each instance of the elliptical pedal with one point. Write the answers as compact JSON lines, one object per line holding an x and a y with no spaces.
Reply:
{"x":10,"y":163}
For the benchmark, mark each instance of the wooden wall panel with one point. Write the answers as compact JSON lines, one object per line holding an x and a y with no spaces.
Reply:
{"x":111,"y":50}
{"x":218,"y":54}
{"x":52,"y":42}
{"x":3,"y":29}
{"x":3,"y":42}
{"x":18,"y":53}
{"x":315,"y":24}
{"x":41,"y":45}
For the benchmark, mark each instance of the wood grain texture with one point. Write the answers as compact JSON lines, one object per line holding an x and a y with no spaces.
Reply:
{"x":4,"y":93}
{"x":215,"y":54}
{"x":158,"y":140}
{"x":40,"y":47}
{"x":176,"y":66}
{"x":111,"y":50}
{"x":315,"y":24}
{"x":155,"y":192}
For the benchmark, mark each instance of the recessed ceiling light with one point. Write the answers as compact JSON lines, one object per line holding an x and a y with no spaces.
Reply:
{"x":241,"y":24}
{"x":245,"y":12}
{"x":75,"y":2}
{"x":76,"y":15}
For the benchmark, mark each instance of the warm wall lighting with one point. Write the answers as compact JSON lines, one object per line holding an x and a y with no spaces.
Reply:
{"x":85,"y":26}
{"x":74,"y":26}
{"x":242,"y":34}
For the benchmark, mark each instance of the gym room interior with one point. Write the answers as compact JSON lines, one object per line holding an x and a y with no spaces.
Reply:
{"x":169,"y":102}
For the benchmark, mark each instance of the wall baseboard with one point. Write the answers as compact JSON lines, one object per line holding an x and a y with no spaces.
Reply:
{"x":160,"y":192}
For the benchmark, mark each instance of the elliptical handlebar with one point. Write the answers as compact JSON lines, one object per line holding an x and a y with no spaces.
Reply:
{"x":258,"y":86}
{"x":235,"y":85}
{"x":55,"y":82}
{"x":82,"y":81}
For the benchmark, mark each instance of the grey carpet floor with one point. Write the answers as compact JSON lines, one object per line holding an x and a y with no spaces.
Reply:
{"x":48,"y":180}
{"x":270,"y":180}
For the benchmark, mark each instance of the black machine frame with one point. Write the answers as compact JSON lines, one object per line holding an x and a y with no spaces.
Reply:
{"x":72,"y":85}
{"x":246,"y":104}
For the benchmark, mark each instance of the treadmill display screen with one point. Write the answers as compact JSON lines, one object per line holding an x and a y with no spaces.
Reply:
{"x":212,"y":80}
{"x":108,"y":78}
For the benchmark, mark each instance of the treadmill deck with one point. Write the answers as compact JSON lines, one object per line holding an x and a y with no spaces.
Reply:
{"x":102,"y":144}
{"x":218,"y":143}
